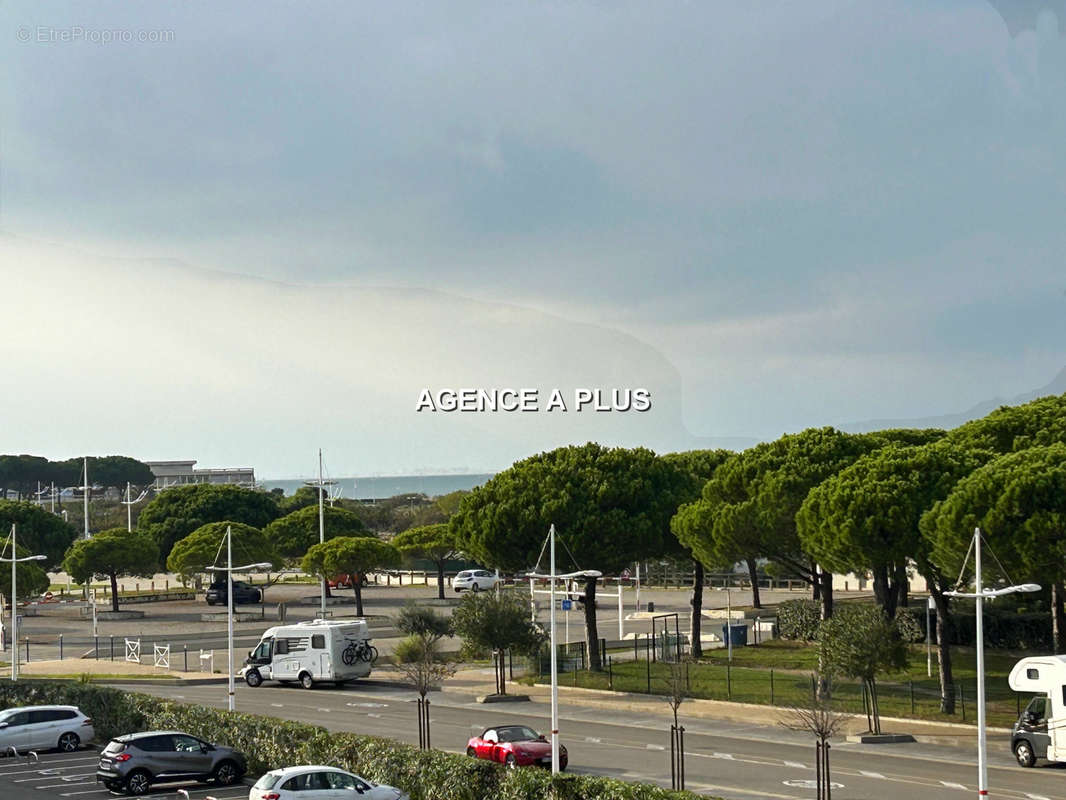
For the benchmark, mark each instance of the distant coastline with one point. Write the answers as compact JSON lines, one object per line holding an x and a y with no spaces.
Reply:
{"x":380,"y":487}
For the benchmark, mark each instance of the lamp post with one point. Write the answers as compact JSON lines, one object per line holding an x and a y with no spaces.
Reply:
{"x":14,"y":603}
{"x":552,"y":577}
{"x":229,"y":569}
{"x":980,"y":594}
{"x":129,"y":503}
{"x":930,"y":604}
{"x":85,"y":496}
{"x":321,"y":485}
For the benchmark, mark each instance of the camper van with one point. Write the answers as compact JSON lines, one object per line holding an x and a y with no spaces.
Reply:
{"x":1033,"y":737}
{"x":332,"y":650}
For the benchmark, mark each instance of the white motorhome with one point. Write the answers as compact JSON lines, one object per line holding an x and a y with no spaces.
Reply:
{"x":334,"y":650}
{"x":1040,"y":731}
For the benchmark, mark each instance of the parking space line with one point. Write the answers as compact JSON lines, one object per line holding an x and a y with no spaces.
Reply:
{"x":59,"y":785}
{"x":85,"y":791}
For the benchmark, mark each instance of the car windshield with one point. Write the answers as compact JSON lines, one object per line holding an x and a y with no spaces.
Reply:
{"x":517,"y":733}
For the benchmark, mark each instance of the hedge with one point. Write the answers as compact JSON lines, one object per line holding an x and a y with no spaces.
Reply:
{"x":798,"y":620}
{"x":271,"y":743}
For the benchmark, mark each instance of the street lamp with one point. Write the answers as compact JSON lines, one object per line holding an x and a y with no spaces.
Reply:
{"x":229,"y":569}
{"x":321,"y":485}
{"x":981,"y":594}
{"x":14,"y":603}
{"x":129,"y":503}
{"x":552,"y":576}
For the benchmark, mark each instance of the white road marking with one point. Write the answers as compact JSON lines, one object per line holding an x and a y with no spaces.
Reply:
{"x":87,"y":791}
{"x":654,"y":747}
{"x":726,"y":756}
{"x":795,"y":765}
{"x":1037,"y":797}
{"x":326,"y":710}
{"x":56,"y":785}
{"x":277,"y":705}
{"x":872,"y":774}
{"x":375,"y":716}
{"x":951,"y":785}
{"x":592,"y":740}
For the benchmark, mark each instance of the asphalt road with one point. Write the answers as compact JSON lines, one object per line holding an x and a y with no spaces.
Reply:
{"x":733,"y":760}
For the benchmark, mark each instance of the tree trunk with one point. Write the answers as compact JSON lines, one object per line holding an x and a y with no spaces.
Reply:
{"x":873,"y":705}
{"x":884,"y":591}
{"x":114,"y":591}
{"x":357,"y":586}
{"x":325,"y":581}
{"x":695,"y":628}
{"x":753,"y":574}
{"x":943,"y":652}
{"x":902,"y":587}
{"x":592,"y":637}
{"x":1056,"y":617}
{"x":440,"y":579}
{"x":826,"y":581}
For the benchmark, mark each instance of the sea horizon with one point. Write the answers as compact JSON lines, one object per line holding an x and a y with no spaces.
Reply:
{"x":370,"y":487}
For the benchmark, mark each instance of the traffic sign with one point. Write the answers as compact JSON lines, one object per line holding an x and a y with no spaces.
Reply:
{"x":567,"y":605}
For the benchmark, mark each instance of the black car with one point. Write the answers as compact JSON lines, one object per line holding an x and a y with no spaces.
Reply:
{"x":135,"y":761}
{"x":242,"y":593}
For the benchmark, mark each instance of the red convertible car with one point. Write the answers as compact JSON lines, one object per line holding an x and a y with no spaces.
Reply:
{"x":515,"y":746}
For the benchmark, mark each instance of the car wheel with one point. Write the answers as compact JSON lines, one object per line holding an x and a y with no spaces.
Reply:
{"x":253,"y":678}
{"x":306,"y":680}
{"x":1023,"y":751}
{"x":226,"y":773}
{"x":210,"y":602}
{"x":138,"y":782}
{"x":69,"y":742}
{"x":510,"y":763}
{"x":470,"y":751}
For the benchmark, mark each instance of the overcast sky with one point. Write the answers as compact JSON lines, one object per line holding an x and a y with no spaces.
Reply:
{"x":781,"y":214}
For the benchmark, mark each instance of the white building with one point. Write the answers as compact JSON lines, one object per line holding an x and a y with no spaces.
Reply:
{"x":179,"y":473}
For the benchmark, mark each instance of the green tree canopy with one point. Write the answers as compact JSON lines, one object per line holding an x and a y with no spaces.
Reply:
{"x":861,"y":642}
{"x":866,"y":516}
{"x":1019,"y":503}
{"x":435,"y":543}
{"x":114,"y":553}
{"x":39,"y":532}
{"x":176,"y":512}
{"x":610,"y":507}
{"x":206,"y":547}
{"x":302,"y":498}
{"x":295,"y":533}
{"x":490,"y":623}
{"x":1012,"y":428}
{"x":694,"y":469}
{"x":350,"y":555}
{"x":32,"y":580}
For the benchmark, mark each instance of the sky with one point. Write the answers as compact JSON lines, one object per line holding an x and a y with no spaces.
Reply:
{"x":238,"y":232}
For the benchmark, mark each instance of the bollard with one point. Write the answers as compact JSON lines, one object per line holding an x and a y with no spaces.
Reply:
{"x":60,"y":647}
{"x":912,"y":698}
{"x":96,"y":647}
{"x":112,"y":647}
{"x":185,"y":650}
{"x":27,"y":640}
{"x":771,"y":686}
{"x":728,"y":679}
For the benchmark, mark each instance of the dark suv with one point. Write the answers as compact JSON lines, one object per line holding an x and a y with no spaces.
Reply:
{"x":137,"y":760}
{"x":242,"y":593}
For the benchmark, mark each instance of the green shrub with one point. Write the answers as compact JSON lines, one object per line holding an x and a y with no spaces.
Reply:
{"x":271,"y":743}
{"x":910,"y":626}
{"x":798,"y":620}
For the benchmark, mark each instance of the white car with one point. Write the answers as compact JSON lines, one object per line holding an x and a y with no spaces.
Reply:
{"x":476,"y":580}
{"x":44,"y":728}
{"x":320,"y":783}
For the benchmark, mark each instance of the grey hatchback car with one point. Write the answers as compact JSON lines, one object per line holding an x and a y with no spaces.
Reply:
{"x":137,"y":760}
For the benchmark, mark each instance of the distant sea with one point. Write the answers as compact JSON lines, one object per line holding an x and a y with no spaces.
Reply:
{"x":378,"y":488}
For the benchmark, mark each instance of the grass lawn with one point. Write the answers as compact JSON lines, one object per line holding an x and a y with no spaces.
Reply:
{"x":779,"y":673}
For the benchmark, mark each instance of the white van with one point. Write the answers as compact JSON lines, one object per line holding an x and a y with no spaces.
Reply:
{"x":1039,"y":731}
{"x":334,"y":650}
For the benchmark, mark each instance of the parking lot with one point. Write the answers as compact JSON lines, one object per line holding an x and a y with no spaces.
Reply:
{"x":73,"y":775}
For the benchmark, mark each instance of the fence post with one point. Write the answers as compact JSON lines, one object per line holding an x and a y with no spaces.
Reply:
{"x":60,"y":647}
{"x":728,"y":681}
{"x":912,"y":698}
{"x":610,"y":674}
{"x":112,"y":638}
{"x":771,"y":686}
{"x":185,"y":651}
{"x":96,"y":647}
{"x":647,"y":662}
{"x":27,"y":641}
{"x":962,"y":700}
